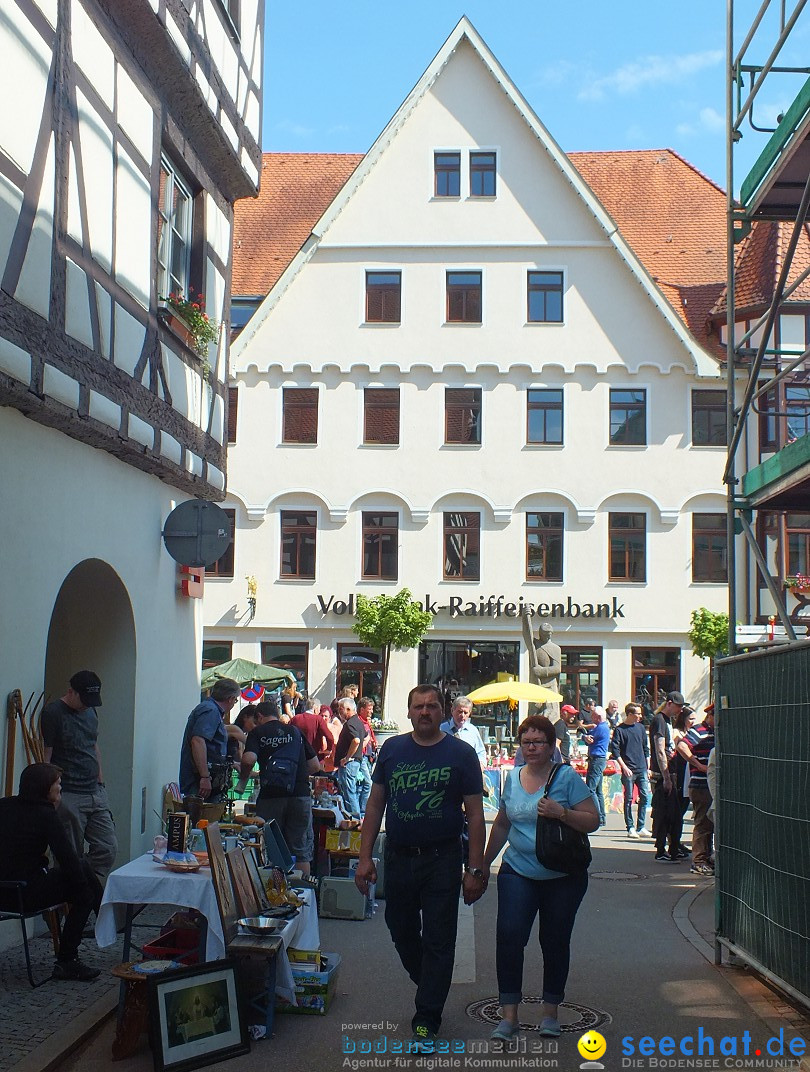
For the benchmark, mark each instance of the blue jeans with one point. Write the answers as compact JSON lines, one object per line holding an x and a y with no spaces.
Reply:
{"x":421,"y":912}
{"x":347,"y":780}
{"x":556,"y":901}
{"x":364,"y":787}
{"x":593,"y":780}
{"x":642,"y":780}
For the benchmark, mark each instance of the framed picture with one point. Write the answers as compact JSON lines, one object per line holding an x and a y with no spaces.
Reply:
{"x":195,"y":1017}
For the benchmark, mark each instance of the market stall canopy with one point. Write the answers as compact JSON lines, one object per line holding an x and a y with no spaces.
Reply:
{"x":499,"y":691}
{"x":246,"y":672}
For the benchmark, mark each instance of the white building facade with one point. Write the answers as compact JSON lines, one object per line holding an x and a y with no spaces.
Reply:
{"x":129,"y":130}
{"x":467,"y":383}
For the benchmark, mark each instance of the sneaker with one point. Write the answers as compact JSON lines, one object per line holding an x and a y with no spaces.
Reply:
{"x":74,"y":970}
{"x":550,"y":1028}
{"x":664,"y":858}
{"x":682,"y":852}
{"x":633,"y":834}
{"x":701,"y":869}
{"x":644,"y":832}
{"x":505,"y":1031}
{"x":423,"y":1040}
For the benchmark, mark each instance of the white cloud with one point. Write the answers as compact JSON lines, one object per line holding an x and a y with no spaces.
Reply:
{"x":709,"y":121}
{"x":287,"y":126}
{"x":648,"y":71}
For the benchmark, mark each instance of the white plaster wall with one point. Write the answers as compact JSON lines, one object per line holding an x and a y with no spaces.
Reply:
{"x":133,"y":230}
{"x":26,"y":61}
{"x":44,"y":536}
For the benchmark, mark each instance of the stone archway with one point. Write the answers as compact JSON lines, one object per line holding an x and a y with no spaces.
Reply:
{"x":93,"y":628}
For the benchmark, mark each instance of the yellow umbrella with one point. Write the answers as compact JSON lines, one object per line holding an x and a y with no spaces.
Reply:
{"x":498,"y":691}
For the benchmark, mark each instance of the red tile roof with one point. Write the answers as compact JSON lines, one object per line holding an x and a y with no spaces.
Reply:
{"x":671,"y":215}
{"x":759,"y":260}
{"x":295,"y":190}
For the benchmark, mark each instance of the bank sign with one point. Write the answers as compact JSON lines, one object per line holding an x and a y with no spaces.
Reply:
{"x":490,"y":607}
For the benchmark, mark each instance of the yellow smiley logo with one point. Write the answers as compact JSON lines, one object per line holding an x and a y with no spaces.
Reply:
{"x":592,"y":1046}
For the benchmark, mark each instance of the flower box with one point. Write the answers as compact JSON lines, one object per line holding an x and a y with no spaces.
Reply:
{"x":177,"y":325}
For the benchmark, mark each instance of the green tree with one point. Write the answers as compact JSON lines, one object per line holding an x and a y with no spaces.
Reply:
{"x":387,"y":622}
{"x":708,"y":635}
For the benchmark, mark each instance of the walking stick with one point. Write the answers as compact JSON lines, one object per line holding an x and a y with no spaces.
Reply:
{"x":29,"y":755}
{"x":37,"y":746}
{"x":13,"y":703}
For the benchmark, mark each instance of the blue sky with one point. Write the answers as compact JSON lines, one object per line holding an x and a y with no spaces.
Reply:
{"x":626,"y":74}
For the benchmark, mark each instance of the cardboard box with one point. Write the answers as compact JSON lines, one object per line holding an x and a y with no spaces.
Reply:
{"x":304,"y":959}
{"x":314,"y":990}
{"x":343,"y":840}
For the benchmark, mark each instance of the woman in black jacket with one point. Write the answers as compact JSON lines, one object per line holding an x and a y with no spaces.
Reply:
{"x":29,"y":826}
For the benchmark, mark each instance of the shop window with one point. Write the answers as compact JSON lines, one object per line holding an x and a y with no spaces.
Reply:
{"x":708,"y":418}
{"x":462,"y":546}
{"x":362,"y":667}
{"x":462,"y":415}
{"x":709,"y":548}
{"x":175,"y":228}
{"x":300,"y":419}
{"x":447,"y":174}
{"x":456,"y":667}
{"x":381,"y":415}
{"x":544,"y":547}
{"x":233,"y":412}
{"x":628,"y":547}
{"x":383,"y":297}
{"x":380,"y":546}
{"x":298,"y":536}
{"x":581,"y":675}
{"x":290,"y":656}
{"x":545,"y":297}
{"x":464,"y":297}
{"x":544,"y":417}
{"x":482,"y":174}
{"x":215,"y":652}
{"x":797,"y":534}
{"x":223,"y":567}
{"x":656,"y":671}
{"x":628,"y":417}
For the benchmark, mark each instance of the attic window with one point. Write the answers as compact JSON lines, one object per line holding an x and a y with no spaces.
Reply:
{"x":447,"y":174}
{"x":482,"y":174}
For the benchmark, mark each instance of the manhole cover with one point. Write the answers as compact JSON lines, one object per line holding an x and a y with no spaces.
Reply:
{"x":585,"y":1019}
{"x":616,"y":876}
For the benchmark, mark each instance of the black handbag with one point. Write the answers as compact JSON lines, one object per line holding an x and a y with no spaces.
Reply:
{"x":558,"y":846}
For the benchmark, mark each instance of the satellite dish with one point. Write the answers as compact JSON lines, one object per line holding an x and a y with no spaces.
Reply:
{"x":197,"y":533}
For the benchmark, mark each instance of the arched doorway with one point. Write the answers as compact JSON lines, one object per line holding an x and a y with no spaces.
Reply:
{"x":93,"y":628}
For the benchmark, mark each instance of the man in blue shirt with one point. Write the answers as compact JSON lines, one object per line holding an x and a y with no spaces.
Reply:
{"x":205,"y":742}
{"x":427,"y":783}
{"x":598,"y":741}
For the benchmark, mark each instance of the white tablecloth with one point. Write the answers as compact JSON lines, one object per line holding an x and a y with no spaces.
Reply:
{"x":142,"y":881}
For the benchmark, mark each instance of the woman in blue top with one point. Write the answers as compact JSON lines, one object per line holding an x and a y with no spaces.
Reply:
{"x":525,"y":887}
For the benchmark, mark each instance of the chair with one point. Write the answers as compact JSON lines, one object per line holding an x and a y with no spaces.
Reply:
{"x":264,"y":947}
{"x":50,"y":913}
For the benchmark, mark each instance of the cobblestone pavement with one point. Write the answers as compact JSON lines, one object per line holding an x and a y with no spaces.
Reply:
{"x":29,"y":1017}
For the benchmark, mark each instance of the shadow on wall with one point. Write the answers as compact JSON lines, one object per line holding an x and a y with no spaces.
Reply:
{"x":93,"y":628}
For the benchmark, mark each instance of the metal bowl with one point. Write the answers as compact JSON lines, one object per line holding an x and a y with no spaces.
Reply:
{"x":261,"y":924}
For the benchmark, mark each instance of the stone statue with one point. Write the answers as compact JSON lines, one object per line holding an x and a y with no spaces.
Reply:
{"x":545,"y":661}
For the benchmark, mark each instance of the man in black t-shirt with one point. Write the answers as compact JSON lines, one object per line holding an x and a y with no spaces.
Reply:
{"x":286,"y":759}
{"x":666,"y":814}
{"x":630,"y":750}
{"x":426,"y":782}
{"x":349,"y":756}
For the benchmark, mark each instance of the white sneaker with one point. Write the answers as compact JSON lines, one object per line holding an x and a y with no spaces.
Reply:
{"x":644,"y":832}
{"x":633,"y":834}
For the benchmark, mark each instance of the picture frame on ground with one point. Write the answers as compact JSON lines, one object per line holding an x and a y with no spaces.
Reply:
{"x":195,"y":1017}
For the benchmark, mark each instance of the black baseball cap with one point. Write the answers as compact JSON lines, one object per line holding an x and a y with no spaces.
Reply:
{"x":88,"y":686}
{"x":676,"y":698}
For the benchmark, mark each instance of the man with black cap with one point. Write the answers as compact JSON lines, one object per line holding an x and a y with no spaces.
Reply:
{"x":69,"y":729}
{"x":666,"y":807}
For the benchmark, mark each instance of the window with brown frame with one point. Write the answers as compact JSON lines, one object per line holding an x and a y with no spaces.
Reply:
{"x":768,"y":421}
{"x":233,"y":412}
{"x":381,"y":415}
{"x":580,"y":675}
{"x":215,"y":652}
{"x":482,"y":174}
{"x":298,"y":535}
{"x":656,"y":671}
{"x":288,"y":655}
{"x":447,"y":174}
{"x":544,"y":297}
{"x":708,"y":418}
{"x":223,"y":567}
{"x":544,"y":547}
{"x":709,"y":548}
{"x":628,"y":417}
{"x":627,"y":547}
{"x":380,"y":546}
{"x":464,"y":297}
{"x":544,"y":416}
{"x":383,"y":297}
{"x":462,"y":546}
{"x":462,"y":415}
{"x":300,"y":405}
{"x":797,"y":538}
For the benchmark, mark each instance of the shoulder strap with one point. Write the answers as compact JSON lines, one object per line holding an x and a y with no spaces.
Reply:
{"x":553,"y":774}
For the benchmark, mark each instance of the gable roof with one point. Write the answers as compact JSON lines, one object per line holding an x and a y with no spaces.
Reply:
{"x":605,"y":170}
{"x":758,"y":264}
{"x":268,"y":230}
